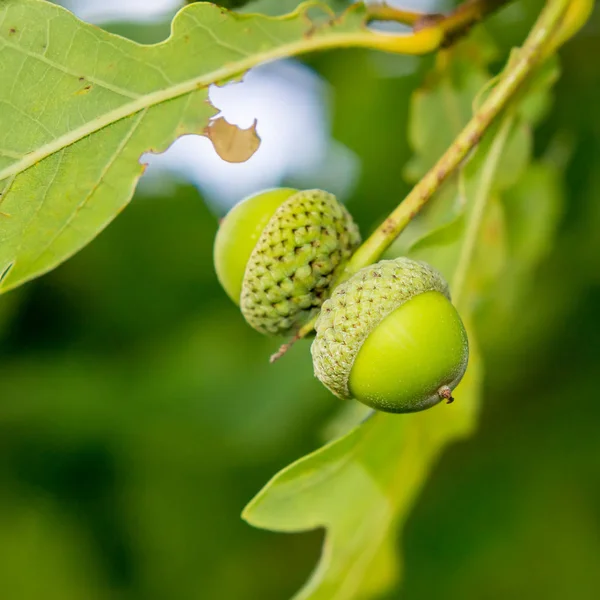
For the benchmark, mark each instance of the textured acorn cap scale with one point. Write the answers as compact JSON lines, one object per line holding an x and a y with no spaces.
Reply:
{"x":357,"y":307}
{"x":301,"y":250}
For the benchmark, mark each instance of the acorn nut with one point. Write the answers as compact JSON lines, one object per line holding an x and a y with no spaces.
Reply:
{"x":390,"y":338}
{"x":277,"y":252}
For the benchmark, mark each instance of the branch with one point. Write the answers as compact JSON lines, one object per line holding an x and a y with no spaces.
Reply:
{"x":452,"y":25}
{"x":460,"y":21}
{"x":535,"y":49}
{"x":515,"y":73}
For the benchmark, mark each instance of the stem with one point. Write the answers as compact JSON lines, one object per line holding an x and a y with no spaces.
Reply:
{"x":534,"y":50}
{"x":514,"y":75}
{"x":453,"y":25}
{"x":466,"y":15}
{"x":446,"y":393}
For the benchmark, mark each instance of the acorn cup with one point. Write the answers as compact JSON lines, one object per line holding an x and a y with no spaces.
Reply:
{"x":277,"y":252}
{"x":390,"y":338}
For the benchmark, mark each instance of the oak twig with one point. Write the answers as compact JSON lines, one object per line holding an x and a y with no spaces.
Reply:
{"x":515,"y":73}
{"x":453,"y":25}
{"x":534,"y":50}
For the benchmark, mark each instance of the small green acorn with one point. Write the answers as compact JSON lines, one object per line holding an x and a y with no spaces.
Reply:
{"x":277,"y":252}
{"x":390,"y":338}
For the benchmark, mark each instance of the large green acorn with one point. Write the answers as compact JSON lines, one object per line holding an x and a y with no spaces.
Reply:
{"x":391,"y":338}
{"x":277,"y":252}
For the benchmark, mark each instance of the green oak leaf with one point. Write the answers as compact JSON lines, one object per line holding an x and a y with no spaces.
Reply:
{"x":533,"y":207}
{"x":79,"y":107}
{"x":361,"y":488}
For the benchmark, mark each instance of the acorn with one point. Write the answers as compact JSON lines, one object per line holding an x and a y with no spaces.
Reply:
{"x":277,"y":252}
{"x":390,"y":338}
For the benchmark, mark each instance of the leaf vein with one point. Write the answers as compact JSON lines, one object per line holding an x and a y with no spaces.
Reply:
{"x":10,"y":154}
{"x":27,"y":116}
{"x":67,"y":71}
{"x":217,"y":39}
{"x":41,"y":202}
{"x":6,"y":189}
{"x":110,"y":162}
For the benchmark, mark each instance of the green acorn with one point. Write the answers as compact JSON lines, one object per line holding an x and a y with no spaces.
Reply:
{"x":277,"y":252}
{"x":391,"y":338}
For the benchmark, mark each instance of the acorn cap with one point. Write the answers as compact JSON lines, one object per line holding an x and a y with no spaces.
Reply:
{"x":302,"y":248}
{"x":357,"y":307}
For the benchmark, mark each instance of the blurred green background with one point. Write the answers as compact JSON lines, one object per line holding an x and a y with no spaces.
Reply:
{"x":139,"y":414}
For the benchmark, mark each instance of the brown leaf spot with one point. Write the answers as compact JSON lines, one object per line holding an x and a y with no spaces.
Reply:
{"x":389,"y":226}
{"x":428,"y":20}
{"x":310,"y":32}
{"x":12,"y":31}
{"x":231,"y":143}
{"x":84,"y":90}
{"x":474,"y":138}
